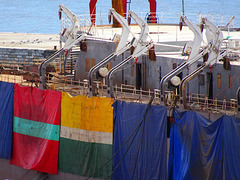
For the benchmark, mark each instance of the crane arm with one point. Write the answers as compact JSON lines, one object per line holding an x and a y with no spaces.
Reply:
{"x":121,"y":64}
{"x":71,"y":33}
{"x":141,"y":46}
{"x":71,"y":38}
{"x":121,"y":47}
{"x":73,"y":18}
{"x":198,"y":37}
{"x":125,"y":31}
{"x":215,"y":38}
{"x":194,"y":56}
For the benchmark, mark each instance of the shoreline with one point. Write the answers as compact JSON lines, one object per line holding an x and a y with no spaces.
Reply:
{"x":29,"y":41}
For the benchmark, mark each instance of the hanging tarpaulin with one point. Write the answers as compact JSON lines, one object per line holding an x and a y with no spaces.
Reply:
{"x":231,"y":140}
{"x":6,"y":118}
{"x":92,"y":7}
{"x":36,"y":125}
{"x":144,"y":141}
{"x":201,"y":149}
{"x":195,"y":148}
{"x":86,"y":135}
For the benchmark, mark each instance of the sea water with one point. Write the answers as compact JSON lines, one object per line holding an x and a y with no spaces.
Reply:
{"x":41,"y":16}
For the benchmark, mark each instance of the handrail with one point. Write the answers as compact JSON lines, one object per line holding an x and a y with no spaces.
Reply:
{"x":197,"y":102}
{"x":165,"y":17}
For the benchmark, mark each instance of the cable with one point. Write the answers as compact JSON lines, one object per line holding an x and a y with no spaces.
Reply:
{"x":143,"y":120}
{"x":139,"y":145}
{"x":135,"y":130}
{"x":114,"y":155}
{"x":124,"y":154}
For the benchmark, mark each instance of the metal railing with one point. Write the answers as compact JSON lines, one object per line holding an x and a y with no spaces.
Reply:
{"x":203,"y":103}
{"x":163,"y":17}
{"x":197,"y":102}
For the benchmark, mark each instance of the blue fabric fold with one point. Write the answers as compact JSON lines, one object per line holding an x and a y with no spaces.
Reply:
{"x":6,"y":119}
{"x":201,"y":149}
{"x":231,"y":140}
{"x":146,"y":150}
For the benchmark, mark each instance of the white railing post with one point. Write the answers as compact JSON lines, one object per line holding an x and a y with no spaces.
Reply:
{"x":199,"y":18}
{"x":161,"y":16}
{"x":101,"y":21}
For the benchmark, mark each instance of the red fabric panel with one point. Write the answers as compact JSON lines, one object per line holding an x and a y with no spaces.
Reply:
{"x":124,"y":2}
{"x":153,"y":8}
{"x":42,"y":106}
{"x":35,"y":153}
{"x":37,"y":105}
{"x":92,"y":7}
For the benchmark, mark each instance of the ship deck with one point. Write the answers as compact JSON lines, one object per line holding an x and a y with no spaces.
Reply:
{"x":159,"y":33}
{"x":163,"y":35}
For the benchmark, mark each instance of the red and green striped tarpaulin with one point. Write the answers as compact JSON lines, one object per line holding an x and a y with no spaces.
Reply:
{"x":36,"y":125}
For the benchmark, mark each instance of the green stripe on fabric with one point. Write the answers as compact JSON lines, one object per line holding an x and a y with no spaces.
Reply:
{"x":36,"y":129}
{"x":84,"y":159}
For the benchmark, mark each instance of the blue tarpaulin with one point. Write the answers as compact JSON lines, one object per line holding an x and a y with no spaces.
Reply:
{"x":231,"y":141}
{"x":6,"y":119}
{"x":201,"y":149}
{"x":143,"y":156}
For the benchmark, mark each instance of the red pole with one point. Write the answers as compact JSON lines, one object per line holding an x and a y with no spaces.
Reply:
{"x":92,"y":7}
{"x":153,"y":8}
{"x":124,"y":2}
